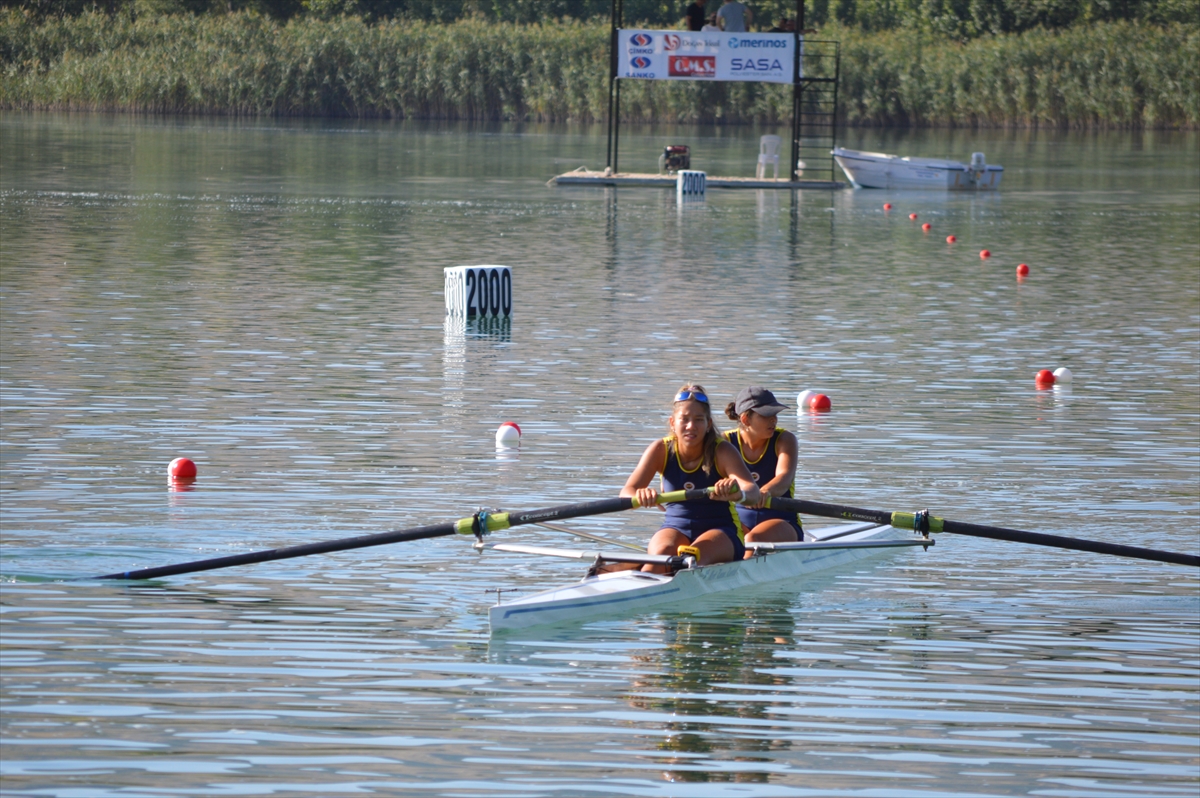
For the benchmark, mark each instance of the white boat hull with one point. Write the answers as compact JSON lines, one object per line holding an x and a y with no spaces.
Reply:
{"x":879,"y":170}
{"x":624,"y":592}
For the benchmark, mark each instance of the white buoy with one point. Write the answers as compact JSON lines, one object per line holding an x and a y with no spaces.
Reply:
{"x":508,"y":435}
{"x":802,"y":400}
{"x":1062,"y":374}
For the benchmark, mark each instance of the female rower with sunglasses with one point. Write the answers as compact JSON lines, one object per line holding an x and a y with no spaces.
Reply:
{"x":769,"y":453}
{"x":694,"y":456}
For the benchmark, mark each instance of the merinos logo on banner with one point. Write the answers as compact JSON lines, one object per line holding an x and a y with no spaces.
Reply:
{"x":778,"y":44}
{"x":670,"y":42}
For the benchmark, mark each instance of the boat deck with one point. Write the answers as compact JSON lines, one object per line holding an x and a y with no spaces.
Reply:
{"x":587,"y":178}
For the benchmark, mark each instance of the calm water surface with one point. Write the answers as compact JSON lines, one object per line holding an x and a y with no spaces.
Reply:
{"x":266,"y":298}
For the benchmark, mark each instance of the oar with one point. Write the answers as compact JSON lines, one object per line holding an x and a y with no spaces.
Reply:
{"x":479,"y":524}
{"x":923,"y":522}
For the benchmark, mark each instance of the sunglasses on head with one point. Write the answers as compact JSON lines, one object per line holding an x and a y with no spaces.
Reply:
{"x":683,"y":396}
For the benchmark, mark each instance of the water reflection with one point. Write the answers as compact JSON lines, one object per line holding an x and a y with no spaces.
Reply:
{"x":733,"y":644}
{"x":295,"y":338}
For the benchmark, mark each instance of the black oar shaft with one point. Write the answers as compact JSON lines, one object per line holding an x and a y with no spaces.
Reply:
{"x":570,"y":511}
{"x":287,"y":552}
{"x":1076,"y":544}
{"x":831,"y":510}
{"x":905,"y":521}
{"x":494,"y":521}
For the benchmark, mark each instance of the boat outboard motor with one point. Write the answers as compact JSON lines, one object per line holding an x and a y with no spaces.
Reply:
{"x":978,"y":167}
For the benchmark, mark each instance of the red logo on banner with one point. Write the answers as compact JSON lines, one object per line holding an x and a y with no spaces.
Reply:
{"x":670,"y":41}
{"x":692,"y":66}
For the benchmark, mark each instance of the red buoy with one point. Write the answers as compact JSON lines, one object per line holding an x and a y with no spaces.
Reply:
{"x":912,"y":216}
{"x":927,"y":227}
{"x":1022,"y":270}
{"x":951,"y":239}
{"x":1044,"y":378}
{"x":887,"y":206}
{"x":181,"y":468}
{"x":820,"y":403}
{"x":985,"y":253}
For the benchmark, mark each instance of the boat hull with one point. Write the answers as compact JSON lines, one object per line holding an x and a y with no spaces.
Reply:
{"x":625,"y":592}
{"x":879,"y":170}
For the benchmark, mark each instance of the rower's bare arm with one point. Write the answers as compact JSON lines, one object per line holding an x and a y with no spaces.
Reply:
{"x":785,"y":469}
{"x":737,"y":479}
{"x":638,"y":484}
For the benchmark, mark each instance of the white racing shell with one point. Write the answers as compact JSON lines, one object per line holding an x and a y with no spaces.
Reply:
{"x":625,"y":592}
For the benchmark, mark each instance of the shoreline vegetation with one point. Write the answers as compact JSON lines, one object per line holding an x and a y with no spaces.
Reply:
{"x":1106,"y":75}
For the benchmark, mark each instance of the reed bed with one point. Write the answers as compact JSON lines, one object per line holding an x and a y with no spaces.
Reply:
{"x":1110,"y":75}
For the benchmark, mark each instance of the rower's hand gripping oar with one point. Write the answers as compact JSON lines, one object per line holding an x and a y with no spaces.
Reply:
{"x":480,"y":524}
{"x":924,"y":523}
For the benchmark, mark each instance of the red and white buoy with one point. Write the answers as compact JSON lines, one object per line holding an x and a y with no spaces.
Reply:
{"x":951,"y":239}
{"x":912,"y":216}
{"x":1022,"y":270}
{"x":508,"y":435}
{"x":985,"y":253}
{"x":887,"y":206}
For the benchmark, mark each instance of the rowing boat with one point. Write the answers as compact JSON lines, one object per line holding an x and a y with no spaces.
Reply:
{"x":606,"y":594}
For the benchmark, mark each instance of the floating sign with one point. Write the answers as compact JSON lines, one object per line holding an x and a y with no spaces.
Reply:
{"x":690,"y":182}
{"x":473,"y":291}
{"x":687,"y":55}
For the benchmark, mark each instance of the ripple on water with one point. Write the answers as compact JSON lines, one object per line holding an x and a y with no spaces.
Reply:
{"x":163,"y":297}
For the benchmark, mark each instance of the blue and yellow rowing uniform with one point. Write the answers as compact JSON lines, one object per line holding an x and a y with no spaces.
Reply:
{"x":763,"y":471}
{"x":697,"y":517}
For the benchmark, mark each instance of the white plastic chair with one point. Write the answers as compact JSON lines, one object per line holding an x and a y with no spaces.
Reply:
{"x":768,"y":153}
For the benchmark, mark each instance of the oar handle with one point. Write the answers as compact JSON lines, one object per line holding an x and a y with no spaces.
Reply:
{"x":923,"y":522}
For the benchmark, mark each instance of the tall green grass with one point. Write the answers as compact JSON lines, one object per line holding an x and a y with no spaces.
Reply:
{"x":1111,"y":75}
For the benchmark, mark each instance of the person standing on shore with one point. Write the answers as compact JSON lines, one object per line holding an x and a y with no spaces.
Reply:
{"x":693,"y":16}
{"x":734,"y":17}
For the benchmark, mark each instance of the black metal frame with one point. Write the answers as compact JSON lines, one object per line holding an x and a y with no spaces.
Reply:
{"x":799,"y":84}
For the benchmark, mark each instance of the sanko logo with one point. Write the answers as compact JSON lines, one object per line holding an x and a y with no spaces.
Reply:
{"x":735,"y":43}
{"x":671,"y":41}
{"x":641,"y":40}
{"x":641,"y":62}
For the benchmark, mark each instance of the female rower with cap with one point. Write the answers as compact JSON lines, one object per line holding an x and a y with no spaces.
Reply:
{"x":769,"y":453}
{"x":694,"y":456}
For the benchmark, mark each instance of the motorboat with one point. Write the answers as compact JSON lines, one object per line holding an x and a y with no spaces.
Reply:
{"x":880,"y":170}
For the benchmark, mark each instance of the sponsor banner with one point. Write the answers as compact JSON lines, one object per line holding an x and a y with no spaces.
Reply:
{"x":687,"y":55}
